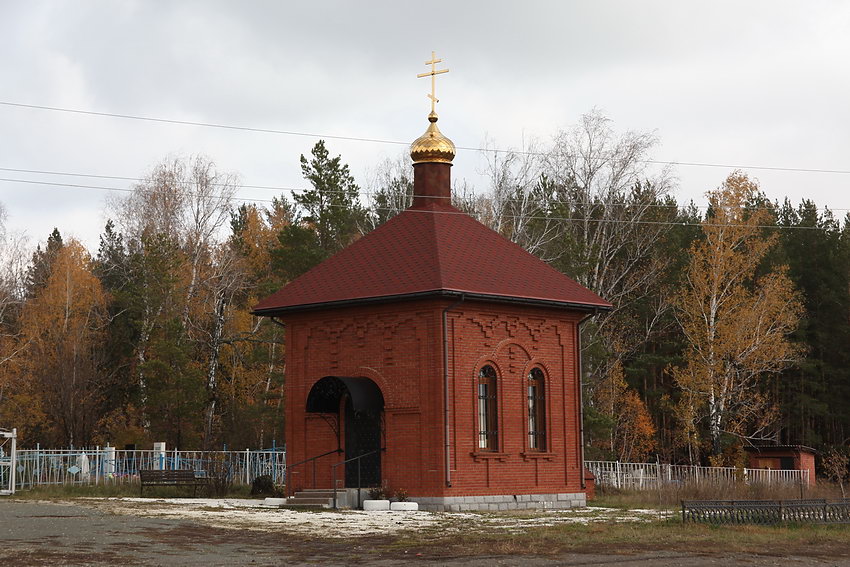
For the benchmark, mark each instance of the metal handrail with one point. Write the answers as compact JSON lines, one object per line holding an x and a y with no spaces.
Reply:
{"x":357,"y":458}
{"x":313,"y":459}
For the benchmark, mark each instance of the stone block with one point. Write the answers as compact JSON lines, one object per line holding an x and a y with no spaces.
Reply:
{"x":376,"y":505}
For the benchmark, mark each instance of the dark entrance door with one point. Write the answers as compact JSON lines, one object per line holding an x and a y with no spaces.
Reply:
{"x":362,"y":437}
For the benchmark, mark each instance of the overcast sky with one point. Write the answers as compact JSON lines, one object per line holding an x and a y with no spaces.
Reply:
{"x":737,"y":83}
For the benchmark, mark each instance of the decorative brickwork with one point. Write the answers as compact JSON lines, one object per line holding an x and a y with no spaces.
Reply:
{"x":399,"y":348}
{"x":388,"y":338}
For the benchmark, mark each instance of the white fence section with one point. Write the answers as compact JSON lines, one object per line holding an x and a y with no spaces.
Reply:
{"x":108,"y":465}
{"x":645,"y":476}
{"x":8,"y":466}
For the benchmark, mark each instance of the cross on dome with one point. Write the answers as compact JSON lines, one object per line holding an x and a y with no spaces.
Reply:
{"x":433,"y":74}
{"x":432,"y":146}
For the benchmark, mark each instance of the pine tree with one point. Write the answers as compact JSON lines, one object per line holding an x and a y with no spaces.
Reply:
{"x":331,"y":216}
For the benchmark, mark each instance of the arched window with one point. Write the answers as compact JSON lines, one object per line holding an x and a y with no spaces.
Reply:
{"x":488,"y":436}
{"x":536,"y":410}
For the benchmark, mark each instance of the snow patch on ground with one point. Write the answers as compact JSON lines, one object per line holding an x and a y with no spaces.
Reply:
{"x":250,"y":514}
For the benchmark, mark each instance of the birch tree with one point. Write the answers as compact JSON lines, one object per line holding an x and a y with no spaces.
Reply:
{"x":736,"y":318}
{"x":64,"y":326}
{"x":170,"y":225}
{"x":390,"y":190}
{"x":612,"y":214}
{"x":16,"y":406}
{"x":518,"y":205}
{"x":12,"y":291}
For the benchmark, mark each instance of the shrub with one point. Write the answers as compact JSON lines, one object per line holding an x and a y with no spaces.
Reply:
{"x":401,"y":495}
{"x":220,"y":476}
{"x":263,"y":486}
{"x":377,"y":493}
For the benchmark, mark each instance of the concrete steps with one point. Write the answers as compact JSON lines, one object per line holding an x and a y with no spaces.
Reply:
{"x":314,"y":497}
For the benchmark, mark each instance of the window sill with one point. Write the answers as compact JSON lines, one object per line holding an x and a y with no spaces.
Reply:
{"x":537,"y":455}
{"x":489,"y":456}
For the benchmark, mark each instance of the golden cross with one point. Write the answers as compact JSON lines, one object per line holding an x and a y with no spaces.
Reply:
{"x":433,"y":74}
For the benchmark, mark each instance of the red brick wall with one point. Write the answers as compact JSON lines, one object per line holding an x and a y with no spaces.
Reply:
{"x":767,"y":458}
{"x":396,"y":347}
{"x":513,"y":340}
{"x":806,"y":461}
{"x":400,"y":348}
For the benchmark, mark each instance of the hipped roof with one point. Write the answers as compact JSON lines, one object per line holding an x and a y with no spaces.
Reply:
{"x":433,"y":249}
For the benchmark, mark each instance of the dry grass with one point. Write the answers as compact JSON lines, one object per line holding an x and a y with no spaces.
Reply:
{"x":625,"y":538}
{"x":671,"y":496}
{"x":661,"y":535}
{"x":65,"y":492}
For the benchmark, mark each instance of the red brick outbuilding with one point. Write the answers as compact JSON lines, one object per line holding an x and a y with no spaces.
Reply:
{"x":783,"y":457}
{"x":442,"y":355}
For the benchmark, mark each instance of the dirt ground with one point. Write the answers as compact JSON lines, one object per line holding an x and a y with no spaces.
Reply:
{"x":109,"y":533}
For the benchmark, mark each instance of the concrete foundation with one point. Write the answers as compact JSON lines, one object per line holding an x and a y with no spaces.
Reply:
{"x":495,"y":503}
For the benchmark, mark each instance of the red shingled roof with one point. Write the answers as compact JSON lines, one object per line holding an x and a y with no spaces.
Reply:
{"x":432,"y":248}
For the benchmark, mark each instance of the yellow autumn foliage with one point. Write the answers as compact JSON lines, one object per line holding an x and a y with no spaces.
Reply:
{"x":736,"y":321}
{"x":632,"y":436}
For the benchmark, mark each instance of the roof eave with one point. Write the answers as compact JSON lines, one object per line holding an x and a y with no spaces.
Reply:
{"x":469,"y":296}
{"x":769,"y":448}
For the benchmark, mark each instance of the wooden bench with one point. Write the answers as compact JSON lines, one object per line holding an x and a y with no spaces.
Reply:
{"x":180,"y":477}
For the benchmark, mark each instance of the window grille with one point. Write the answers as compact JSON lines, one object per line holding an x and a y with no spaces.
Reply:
{"x":536,"y":410}
{"x":488,"y":438}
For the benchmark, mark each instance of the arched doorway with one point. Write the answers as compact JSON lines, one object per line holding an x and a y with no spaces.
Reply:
{"x":358,"y":404}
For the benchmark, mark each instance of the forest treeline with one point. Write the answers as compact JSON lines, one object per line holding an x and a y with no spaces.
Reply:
{"x":730,"y":323}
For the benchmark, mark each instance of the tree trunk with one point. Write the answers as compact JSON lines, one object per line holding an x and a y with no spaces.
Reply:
{"x":212,"y":368}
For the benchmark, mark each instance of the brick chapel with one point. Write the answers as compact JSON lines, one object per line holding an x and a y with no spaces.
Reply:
{"x":437,"y":357}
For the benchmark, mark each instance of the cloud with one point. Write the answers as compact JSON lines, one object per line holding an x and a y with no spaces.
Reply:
{"x":728,"y":82}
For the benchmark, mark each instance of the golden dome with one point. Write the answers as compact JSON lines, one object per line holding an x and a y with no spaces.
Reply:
{"x":432,"y":146}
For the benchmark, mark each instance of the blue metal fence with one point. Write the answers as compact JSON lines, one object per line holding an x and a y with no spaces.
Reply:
{"x":107,"y":465}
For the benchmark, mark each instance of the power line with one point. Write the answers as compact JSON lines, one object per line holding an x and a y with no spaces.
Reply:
{"x":396,"y":142}
{"x":203,"y":124}
{"x":102,"y":188}
{"x":142,"y":180}
{"x":526,"y":217}
{"x":365,"y":193}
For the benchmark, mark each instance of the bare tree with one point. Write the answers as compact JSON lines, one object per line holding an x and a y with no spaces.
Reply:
{"x":390,"y":188}
{"x":611,"y":213}
{"x":517,"y":205}
{"x":208,"y":209}
{"x":13,"y":262}
{"x":186,"y":200}
{"x":226,"y":277}
{"x":835,"y":466}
